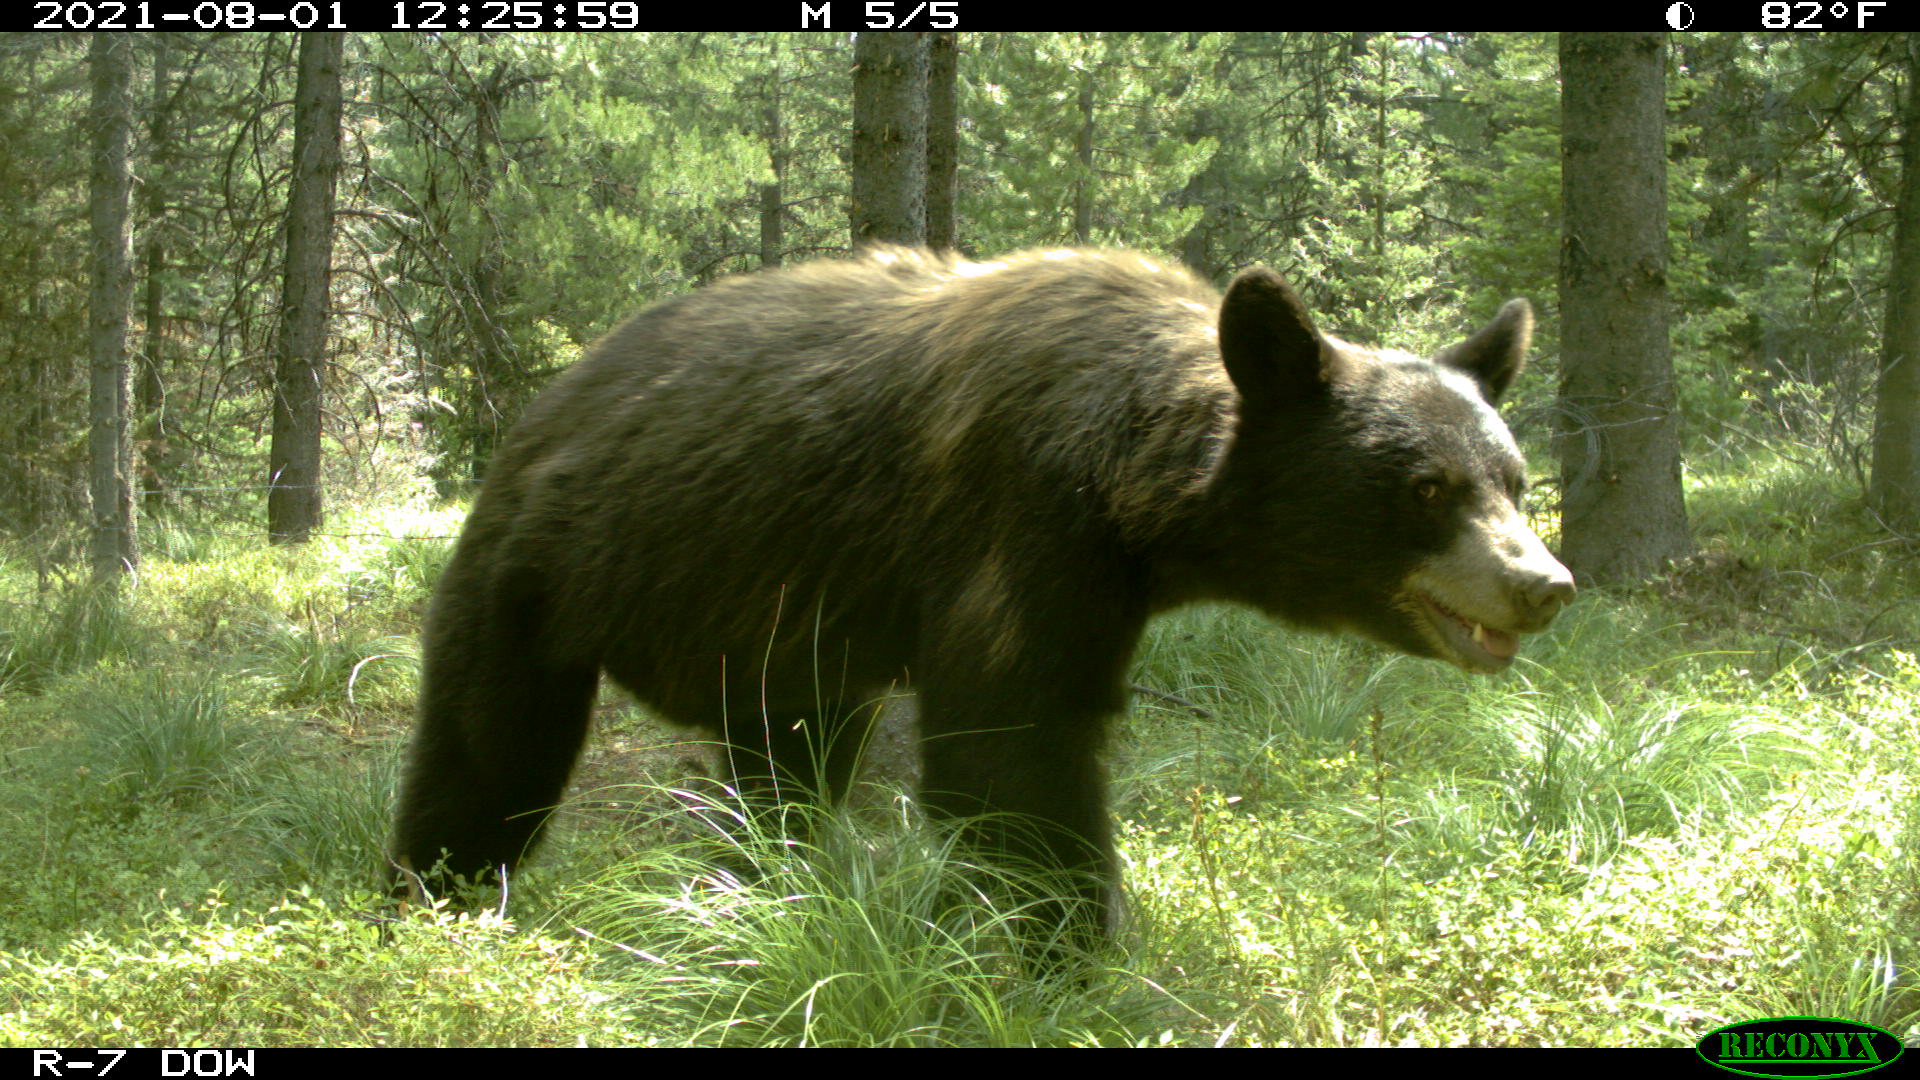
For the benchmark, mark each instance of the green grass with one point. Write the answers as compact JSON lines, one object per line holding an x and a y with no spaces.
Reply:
{"x":1690,"y":803}
{"x":333,"y":664}
{"x":150,"y":737}
{"x":873,"y":932}
{"x":43,"y":638}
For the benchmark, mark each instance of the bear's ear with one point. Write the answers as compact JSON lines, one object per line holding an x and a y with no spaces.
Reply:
{"x":1268,"y":343}
{"x":1495,"y":354}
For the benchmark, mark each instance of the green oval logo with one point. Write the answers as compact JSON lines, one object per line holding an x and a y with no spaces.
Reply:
{"x":1803,"y":1047}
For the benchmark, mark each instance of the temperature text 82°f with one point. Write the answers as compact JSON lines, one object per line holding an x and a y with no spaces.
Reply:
{"x":887,"y":15}
{"x":1819,"y":15}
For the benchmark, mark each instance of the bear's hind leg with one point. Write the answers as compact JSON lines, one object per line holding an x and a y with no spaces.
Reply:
{"x":1036,"y":793}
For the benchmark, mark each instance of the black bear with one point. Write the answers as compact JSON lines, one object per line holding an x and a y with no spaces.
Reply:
{"x":759,"y":506}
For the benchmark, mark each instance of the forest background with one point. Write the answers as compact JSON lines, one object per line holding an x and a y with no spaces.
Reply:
{"x":1693,"y":804}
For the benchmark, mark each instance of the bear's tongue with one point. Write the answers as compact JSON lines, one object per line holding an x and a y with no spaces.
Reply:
{"x":1497,"y":642}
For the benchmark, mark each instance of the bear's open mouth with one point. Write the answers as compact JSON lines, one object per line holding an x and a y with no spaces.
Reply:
{"x":1474,"y":645}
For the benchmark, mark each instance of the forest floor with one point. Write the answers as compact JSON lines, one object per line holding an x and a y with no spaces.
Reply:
{"x":1690,"y":803}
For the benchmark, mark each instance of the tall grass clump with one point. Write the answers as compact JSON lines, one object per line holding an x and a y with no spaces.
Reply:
{"x":154,"y":736}
{"x":1590,"y":773}
{"x":1255,"y":704}
{"x":402,"y":575}
{"x":333,"y":664}
{"x":329,"y":820}
{"x":192,"y":538}
{"x":39,"y":644}
{"x":864,"y":934}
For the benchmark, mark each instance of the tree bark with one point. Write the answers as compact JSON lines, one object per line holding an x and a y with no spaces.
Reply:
{"x":1083,"y":183}
{"x":1894,"y":488}
{"x":889,"y":139}
{"x":1623,"y":515}
{"x":113,"y":548}
{"x":943,"y":149}
{"x":294,"y":503}
{"x":151,"y":398}
{"x":492,"y":358}
{"x":773,"y":207}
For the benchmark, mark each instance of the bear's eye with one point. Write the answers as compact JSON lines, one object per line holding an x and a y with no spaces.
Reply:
{"x":1430,"y":489}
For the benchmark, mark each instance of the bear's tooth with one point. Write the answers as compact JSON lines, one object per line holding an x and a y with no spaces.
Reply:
{"x":1479,"y":634}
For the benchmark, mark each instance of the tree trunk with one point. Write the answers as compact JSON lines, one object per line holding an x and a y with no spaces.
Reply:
{"x":889,"y":139}
{"x":1083,"y":184}
{"x":1894,"y":488}
{"x":113,"y":542}
{"x":294,"y":503}
{"x":1623,"y":515}
{"x":151,"y":400}
{"x":493,"y":360}
{"x":773,"y":208}
{"x":943,"y":149}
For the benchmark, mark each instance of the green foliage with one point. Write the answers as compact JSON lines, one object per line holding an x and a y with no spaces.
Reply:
{"x":1621,"y":842}
{"x":309,"y":971}
{"x":1129,"y":99}
{"x":1505,"y":176}
{"x":510,"y":198}
{"x":1594,"y":775}
{"x":1370,"y":250}
{"x":547,"y":187}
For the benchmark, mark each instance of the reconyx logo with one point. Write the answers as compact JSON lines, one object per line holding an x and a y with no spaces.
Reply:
{"x":1803,"y":1047}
